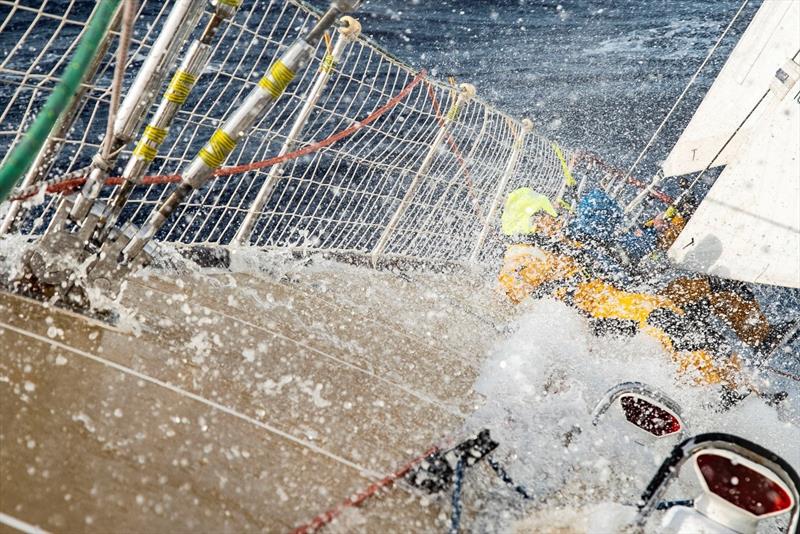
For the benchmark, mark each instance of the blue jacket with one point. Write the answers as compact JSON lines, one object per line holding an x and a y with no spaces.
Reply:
{"x":599,"y":219}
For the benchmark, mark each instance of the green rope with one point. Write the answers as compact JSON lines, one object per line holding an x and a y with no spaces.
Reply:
{"x":25,"y":152}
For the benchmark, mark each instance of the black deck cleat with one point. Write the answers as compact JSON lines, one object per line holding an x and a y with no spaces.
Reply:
{"x":436,"y":473}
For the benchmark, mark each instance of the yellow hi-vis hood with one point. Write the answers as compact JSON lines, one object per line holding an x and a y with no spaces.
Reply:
{"x":521,"y":205}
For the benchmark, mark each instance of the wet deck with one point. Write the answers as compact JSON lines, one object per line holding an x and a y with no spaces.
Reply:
{"x":229,"y":402}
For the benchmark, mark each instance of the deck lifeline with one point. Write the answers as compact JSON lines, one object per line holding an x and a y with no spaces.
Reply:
{"x":306,"y":388}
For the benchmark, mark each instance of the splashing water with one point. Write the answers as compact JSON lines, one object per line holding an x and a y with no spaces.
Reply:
{"x":541,"y":384}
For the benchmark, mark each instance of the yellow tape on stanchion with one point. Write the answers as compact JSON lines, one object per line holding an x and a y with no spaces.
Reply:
{"x":180,"y":87}
{"x":279,"y":77}
{"x":218,"y":149}
{"x":328,"y":62}
{"x":147,"y":148}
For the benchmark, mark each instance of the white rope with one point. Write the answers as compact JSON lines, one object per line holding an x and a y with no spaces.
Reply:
{"x":313,"y":447}
{"x":685,"y":90}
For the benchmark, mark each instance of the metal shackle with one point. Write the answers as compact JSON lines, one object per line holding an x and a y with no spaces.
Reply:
{"x":350,"y":27}
{"x":467,"y":91}
{"x":527,"y":125}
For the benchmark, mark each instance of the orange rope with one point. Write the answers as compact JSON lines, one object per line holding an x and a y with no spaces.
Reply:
{"x":71,"y":185}
{"x":358,"y":498}
{"x":456,"y":152}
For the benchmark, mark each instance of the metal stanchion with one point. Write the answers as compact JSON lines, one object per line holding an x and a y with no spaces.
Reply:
{"x":181,"y":20}
{"x":349,"y":32}
{"x":224,"y":140}
{"x":183,"y":82}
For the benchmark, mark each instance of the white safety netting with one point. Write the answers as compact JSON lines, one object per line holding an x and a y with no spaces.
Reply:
{"x":418,"y":182}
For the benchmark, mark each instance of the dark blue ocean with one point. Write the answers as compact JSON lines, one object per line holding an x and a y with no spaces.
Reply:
{"x":598,"y":75}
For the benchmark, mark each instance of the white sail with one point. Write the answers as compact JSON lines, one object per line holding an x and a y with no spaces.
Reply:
{"x":771,"y":39}
{"x":748,"y":226}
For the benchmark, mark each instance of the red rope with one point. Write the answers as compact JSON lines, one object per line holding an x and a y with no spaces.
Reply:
{"x":593,"y":158}
{"x":71,"y":185}
{"x":330,"y":140}
{"x":456,"y":152}
{"x":358,"y":498}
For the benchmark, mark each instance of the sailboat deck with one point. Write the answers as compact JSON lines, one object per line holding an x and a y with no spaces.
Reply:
{"x":233,"y":402}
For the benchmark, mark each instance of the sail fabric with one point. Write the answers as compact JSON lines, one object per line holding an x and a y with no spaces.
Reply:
{"x":771,"y":39}
{"x":748,"y":226}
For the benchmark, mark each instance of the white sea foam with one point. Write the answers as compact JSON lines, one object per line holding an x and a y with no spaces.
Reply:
{"x":12,"y":247}
{"x":541,"y":384}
